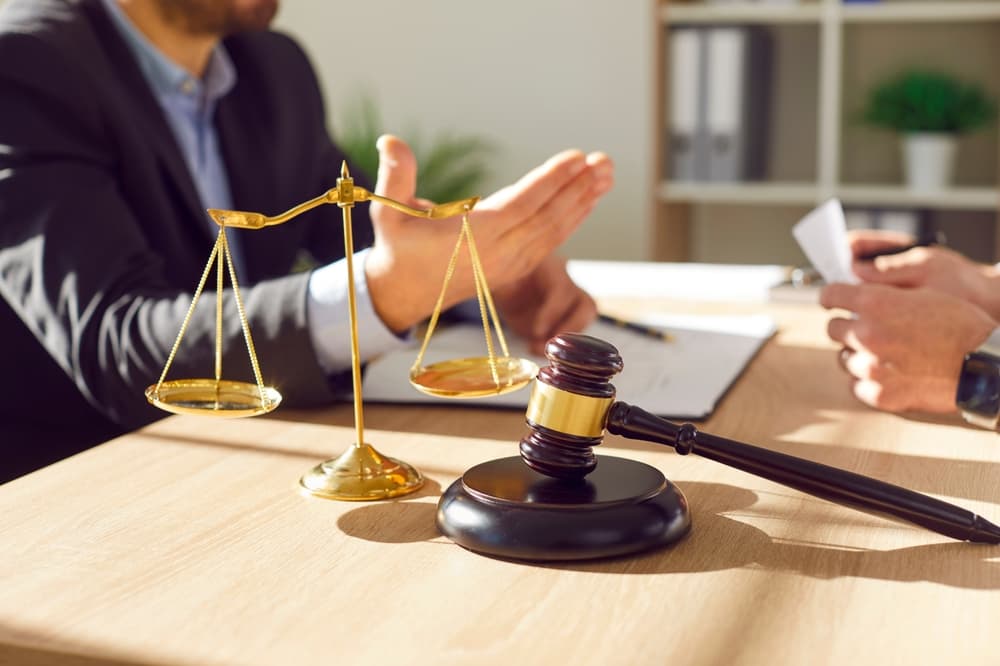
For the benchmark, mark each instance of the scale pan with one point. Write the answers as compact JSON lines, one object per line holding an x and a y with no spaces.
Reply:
{"x":210,"y":397}
{"x":472,"y":377}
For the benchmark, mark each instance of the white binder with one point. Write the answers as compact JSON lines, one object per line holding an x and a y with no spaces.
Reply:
{"x":687,"y":152}
{"x":738,"y":90}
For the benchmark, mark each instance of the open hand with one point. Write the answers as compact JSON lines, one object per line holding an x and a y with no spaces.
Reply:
{"x":936,"y":267}
{"x":515,"y":230}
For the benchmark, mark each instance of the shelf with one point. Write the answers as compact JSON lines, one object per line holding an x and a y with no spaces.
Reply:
{"x":955,"y":198}
{"x":884,"y":12}
{"x":808,"y":194}
{"x":736,"y":13}
{"x":943,"y":12}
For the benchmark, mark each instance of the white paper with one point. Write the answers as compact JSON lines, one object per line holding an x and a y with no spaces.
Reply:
{"x":682,"y":281}
{"x":822,"y":235}
{"x":684,"y":378}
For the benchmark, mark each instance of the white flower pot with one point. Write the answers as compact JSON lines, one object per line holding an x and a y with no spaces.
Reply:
{"x":929,"y":159}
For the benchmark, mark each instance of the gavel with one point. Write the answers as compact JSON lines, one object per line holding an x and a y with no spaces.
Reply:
{"x":573,"y":404}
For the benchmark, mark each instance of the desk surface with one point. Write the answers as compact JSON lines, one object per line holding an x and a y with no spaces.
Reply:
{"x":187,"y":543}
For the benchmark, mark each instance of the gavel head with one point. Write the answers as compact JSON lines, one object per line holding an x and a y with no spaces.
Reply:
{"x":569,"y":404}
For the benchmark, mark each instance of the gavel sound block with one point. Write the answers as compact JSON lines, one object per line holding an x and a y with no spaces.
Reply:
{"x":557,"y":500}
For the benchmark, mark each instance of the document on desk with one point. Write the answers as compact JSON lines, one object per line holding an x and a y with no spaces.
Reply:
{"x":684,"y":378}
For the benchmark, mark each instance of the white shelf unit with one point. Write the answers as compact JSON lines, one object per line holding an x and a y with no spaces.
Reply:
{"x":830,"y":26}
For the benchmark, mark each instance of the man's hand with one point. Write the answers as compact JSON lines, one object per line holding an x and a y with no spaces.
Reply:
{"x":515,"y":230}
{"x":935,"y":267}
{"x":543,"y":303}
{"x":904,"y":347}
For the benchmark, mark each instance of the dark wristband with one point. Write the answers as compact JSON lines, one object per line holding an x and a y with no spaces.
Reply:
{"x":978,"y":394}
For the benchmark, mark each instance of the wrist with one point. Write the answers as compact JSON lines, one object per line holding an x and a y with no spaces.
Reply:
{"x":978,"y":392}
{"x":329,"y":323}
{"x":403,"y":294}
{"x":389,"y":291}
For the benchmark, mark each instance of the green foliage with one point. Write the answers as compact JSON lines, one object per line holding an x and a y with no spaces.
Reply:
{"x":924,"y":101}
{"x":449,"y":166}
{"x":356,"y":131}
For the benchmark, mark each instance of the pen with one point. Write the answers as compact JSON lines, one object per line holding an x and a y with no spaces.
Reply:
{"x":648,"y":331}
{"x":934,"y":239}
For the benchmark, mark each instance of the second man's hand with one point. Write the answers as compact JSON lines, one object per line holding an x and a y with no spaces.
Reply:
{"x":936,"y":267}
{"x":904,"y":347}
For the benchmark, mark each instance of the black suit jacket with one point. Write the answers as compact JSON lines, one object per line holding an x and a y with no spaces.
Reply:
{"x":103,"y":237}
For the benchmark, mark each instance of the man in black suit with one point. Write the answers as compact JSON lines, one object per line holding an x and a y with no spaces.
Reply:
{"x":121,"y":121}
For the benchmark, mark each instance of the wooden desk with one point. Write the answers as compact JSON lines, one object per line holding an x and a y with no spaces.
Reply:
{"x":187,"y":543}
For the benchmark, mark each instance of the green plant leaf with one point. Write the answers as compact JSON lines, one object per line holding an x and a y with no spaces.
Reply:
{"x":450,"y":166}
{"x":925,"y":101}
{"x":357,"y":130}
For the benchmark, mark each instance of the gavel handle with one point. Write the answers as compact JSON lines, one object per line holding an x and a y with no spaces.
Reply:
{"x":831,"y":483}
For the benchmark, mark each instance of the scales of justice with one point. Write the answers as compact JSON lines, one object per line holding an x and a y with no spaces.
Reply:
{"x":361,"y":472}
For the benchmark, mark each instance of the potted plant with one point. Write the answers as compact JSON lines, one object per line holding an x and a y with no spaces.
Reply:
{"x":449,"y":167}
{"x":929,"y":109}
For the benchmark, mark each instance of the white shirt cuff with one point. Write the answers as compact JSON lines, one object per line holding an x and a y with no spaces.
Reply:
{"x":329,"y":321}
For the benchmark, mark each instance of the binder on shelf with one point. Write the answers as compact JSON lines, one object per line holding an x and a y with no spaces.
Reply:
{"x":738,"y":75}
{"x":687,"y":151}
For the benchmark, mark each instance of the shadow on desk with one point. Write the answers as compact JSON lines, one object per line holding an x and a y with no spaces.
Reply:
{"x":31,"y":656}
{"x":718,"y":543}
{"x":309,"y":456}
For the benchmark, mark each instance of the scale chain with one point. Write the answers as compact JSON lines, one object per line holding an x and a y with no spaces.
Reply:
{"x":187,"y":317}
{"x":436,"y":314}
{"x":243,"y":322}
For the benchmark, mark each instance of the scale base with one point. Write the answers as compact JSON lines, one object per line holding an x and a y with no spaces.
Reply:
{"x":506,"y":509}
{"x":361,"y":473}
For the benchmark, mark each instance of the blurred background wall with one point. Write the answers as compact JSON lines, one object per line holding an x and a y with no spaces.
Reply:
{"x":533,"y":76}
